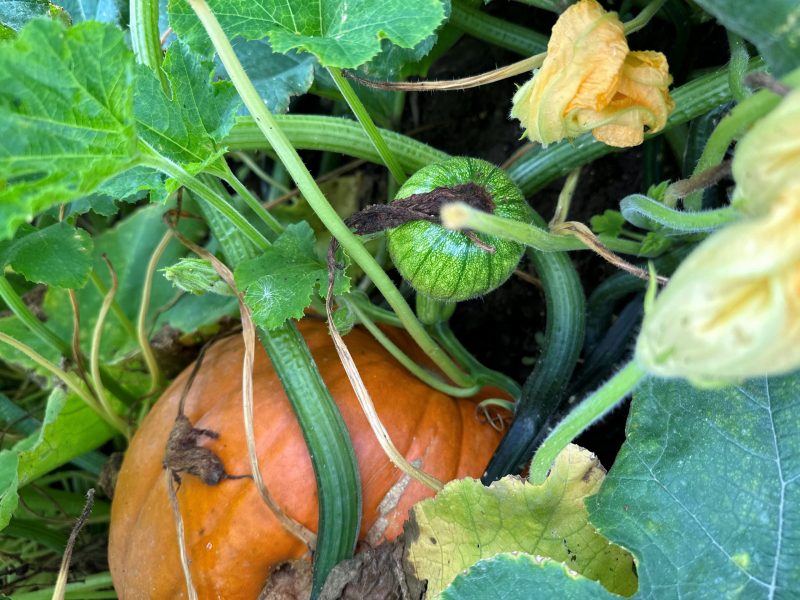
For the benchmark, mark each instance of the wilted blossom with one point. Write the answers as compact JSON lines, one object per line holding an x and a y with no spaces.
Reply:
{"x":590,"y":81}
{"x":767,"y":159}
{"x":732,"y":309}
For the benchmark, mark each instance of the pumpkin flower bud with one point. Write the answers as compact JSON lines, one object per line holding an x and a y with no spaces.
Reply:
{"x":767,"y":158}
{"x":590,"y":81}
{"x":732,"y":309}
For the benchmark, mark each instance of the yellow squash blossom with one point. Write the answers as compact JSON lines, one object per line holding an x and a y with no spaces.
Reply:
{"x":767,"y":159}
{"x":732,"y":309}
{"x":590,"y":81}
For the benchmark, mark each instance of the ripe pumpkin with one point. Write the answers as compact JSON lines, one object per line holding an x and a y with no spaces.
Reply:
{"x":233,"y":540}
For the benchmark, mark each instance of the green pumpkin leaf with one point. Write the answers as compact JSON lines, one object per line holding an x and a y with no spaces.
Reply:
{"x":513,"y":576}
{"x":66,"y":116}
{"x":59,"y":255}
{"x":706,"y":489}
{"x":277,"y":77}
{"x":13,"y":327}
{"x":15,"y":14}
{"x":340,"y":33}
{"x":772,"y":25}
{"x":278,"y":284}
{"x":105,"y":11}
{"x":467,"y":522}
{"x":69,"y":429}
{"x":186,"y":126}
{"x":9,"y":484}
{"x":609,"y":223}
{"x":128,"y":246}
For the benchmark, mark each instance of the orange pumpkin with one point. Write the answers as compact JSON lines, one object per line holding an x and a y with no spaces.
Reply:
{"x":233,"y":540}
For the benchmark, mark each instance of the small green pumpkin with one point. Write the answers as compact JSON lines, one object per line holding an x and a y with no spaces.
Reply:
{"x":447,"y":265}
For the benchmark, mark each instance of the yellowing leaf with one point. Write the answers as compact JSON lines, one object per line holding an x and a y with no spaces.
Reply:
{"x":467,"y":522}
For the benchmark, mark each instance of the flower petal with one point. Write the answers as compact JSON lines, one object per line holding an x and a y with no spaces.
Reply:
{"x":767,"y":159}
{"x":732,"y":309}
{"x":585,"y":55}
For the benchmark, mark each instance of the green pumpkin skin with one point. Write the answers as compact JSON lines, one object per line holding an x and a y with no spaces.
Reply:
{"x":446,"y":265}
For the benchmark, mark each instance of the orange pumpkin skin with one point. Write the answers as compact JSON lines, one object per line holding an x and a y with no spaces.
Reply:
{"x":233,"y":540}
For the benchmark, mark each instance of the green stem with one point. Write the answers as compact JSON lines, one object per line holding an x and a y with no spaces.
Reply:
{"x":461,"y":216}
{"x":259,"y":172}
{"x":23,"y":313}
{"x":311,"y":192}
{"x":732,"y":126}
{"x":482,"y":374}
{"x":565,"y":197}
{"x":418,"y":371}
{"x":333,"y":134}
{"x":127,"y":324}
{"x":376,"y":313}
{"x":158,"y":162}
{"x":327,"y":439}
{"x":431,"y":311}
{"x":644,"y":212}
{"x":76,"y":589}
{"x":355,"y":104}
{"x":114,"y":420}
{"x":482,"y":26}
{"x":40,"y":330}
{"x":145,"y":37}
{"x":641,"y":20}
{"x":156,"y":376}
{"x":249,"y":199}
{"x":582,"y":416}
{"x":737,"y":67}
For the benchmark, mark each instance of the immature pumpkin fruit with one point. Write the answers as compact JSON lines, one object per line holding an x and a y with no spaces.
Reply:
{"x":448,"y":265}
{"x":233,"y":540}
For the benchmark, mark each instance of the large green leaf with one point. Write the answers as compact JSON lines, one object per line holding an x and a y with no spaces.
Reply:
{"x":15,"y":328}
{"x":340,"y":33}
{"x":14,"y":14}
{"x":706,"y":490}
{"x":277,"y":77}
{"x":467,"y":522}
{"x":59,"y":255}
{"x":66,"y":115}
{"x":186,"y":126}
{"x":278,"y":284}
{"x":69,"y":429}
{"x":106,"y":11}
{"x":518,"y":576}
{"x":772,"y":25}
{"x":128,"y":246}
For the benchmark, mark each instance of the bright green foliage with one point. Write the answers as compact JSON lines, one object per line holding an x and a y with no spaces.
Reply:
{"x":14,"y":14}
{"x":69,"y":429}
{"x":519,"y":576}
{"x":186,"y":126}
{"x":278,"y":284}
{"x":609,"y":223}
{"x":772,"y":25}
{"x":59,"y":255}
{"x":66,"y":118}
{"x":105,"y":11}
{"x":467,"y":522}
{"x":706,"y":489}
{"x":277,"y":77}
{"x":128,"y":247}
{"x":13,"y":327}
{"x":340,"y":33}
